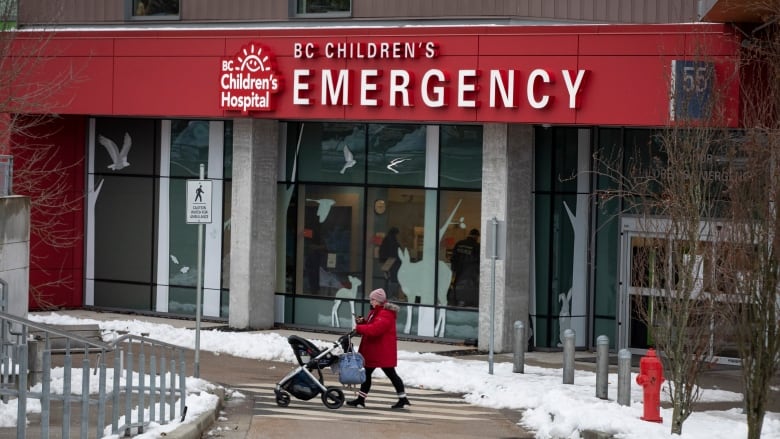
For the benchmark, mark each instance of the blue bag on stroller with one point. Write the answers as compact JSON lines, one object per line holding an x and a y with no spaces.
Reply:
{"x":351,"y":368}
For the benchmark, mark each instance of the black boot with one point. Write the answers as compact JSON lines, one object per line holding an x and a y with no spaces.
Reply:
{"x":401,"y":403}
{"x":359,"y":401}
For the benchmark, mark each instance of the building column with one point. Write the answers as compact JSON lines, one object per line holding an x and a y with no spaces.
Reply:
{"x":15,"y":254}
{"x":507,"y":182}
{"x":253,"y":223}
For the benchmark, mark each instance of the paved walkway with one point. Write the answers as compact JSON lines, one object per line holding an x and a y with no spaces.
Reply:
{"x":238,"y":419}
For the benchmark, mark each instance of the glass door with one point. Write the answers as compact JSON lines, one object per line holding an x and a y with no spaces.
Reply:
{"x":648,"y":265}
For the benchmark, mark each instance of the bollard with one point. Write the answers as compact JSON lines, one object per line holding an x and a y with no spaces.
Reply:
{"x":624,"y":377}
{"x":34,"y":362}
{"x":602,"y":366}
{"x":519,"y":359}
{"x":568,"y":356}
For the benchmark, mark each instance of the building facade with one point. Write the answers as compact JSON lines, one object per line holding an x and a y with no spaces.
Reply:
{"x":348,"y":147}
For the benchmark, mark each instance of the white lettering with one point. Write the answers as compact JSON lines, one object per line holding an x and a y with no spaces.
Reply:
{"x":367,"y":85}
{"x":252,"y":101}
{"x":401,"y":89}
{"x":426,"y":89}
{"x":368,"y":50}
{"x":431,"y":50}
{"x":466,"y":86}
{"x":532,"y":91}
{"x":503,"y":82}
{"x":399,"y":85}
{"x":300,"y":87}
{"x":573,"y":88}
{"x":331,"y":93}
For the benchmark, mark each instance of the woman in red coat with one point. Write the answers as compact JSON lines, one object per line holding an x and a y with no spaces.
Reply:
{"x":379,"y":347}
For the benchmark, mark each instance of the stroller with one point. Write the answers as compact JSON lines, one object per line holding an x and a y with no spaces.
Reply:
{"x":301,"y":381}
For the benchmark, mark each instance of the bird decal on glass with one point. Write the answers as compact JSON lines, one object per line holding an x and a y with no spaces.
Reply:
{"x":324,"y":207}
{"x":118,"y":157}
{"x":395,"y":162}
{"x":349,"y":159}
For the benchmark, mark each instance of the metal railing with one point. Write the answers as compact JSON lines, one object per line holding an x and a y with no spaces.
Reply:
{"x":124,"y":399}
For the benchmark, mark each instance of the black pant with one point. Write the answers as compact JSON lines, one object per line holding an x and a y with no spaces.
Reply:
{"x":390,"y":372}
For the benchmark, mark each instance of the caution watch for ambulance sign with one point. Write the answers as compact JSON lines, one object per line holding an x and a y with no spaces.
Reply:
{"x":199,"y":201}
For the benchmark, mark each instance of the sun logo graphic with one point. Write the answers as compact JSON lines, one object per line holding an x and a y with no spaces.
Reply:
{"x":249,"y":79}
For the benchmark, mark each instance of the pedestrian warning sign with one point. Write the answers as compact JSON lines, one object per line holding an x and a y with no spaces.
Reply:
{"x":198,"y":201}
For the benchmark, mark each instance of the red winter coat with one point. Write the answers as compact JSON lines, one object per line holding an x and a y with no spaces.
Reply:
{"x":379,"y":346}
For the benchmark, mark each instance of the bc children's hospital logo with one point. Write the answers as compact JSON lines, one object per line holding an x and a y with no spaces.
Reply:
{"x":249,"y":79}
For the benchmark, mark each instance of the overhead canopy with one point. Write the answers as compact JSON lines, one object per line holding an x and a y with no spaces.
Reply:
{"x":739,"y":11}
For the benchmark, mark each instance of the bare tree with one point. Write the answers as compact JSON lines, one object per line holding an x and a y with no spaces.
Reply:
{"x":709,"y":269}
{"x":750,"y":245}
{"x":673,"y":187}
{"x":39,"y":173}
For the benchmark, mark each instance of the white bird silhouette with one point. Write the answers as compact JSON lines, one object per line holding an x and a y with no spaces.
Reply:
{"x":119,"y":158}
{"x":460,"y":223}
{"x":324,"y":207}
{"x":174,"y":259}
{"x":396,"y":161}
{"x":349,"y":159}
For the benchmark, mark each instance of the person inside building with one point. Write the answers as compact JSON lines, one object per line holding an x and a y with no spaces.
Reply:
{"x":379,"y":347}
{"x":388,"y":257}
{"x":465,"y":269}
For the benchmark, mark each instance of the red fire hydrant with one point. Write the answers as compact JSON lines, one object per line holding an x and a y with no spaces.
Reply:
{"x":651,"y":376}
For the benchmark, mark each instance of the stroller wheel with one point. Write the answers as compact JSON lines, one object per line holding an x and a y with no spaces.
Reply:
{"x":282,"y":399}
{"x":333,"y":398}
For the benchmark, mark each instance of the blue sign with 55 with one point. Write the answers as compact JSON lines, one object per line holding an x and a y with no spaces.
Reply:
{"x":691,"y":96}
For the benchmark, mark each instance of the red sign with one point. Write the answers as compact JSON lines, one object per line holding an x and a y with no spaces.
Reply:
{"x":248,"y":80}
{"x":568,"y":75}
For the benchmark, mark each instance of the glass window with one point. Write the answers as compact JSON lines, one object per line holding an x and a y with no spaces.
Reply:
{"x":329,"y":152}
{"x":124,"y":227}
{"x":401,"y":260}
{"x":396,"y":154}
{"x":189,"y":147}
{"x":378,"y":227}
{"x":123,"y":209}
{"x":460,"y":156}
{"x":227,"y":195}
{"x":308,"y":7}
{"x":154,"y":9}
{"x":183,"y":238}
{"x":556,"y":159}
{"x":460,"y":214}
{"x":330,"y":240}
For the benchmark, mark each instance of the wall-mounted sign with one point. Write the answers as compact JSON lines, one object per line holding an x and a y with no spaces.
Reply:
{"x":691,"y":95}
{"x":249,"y":80}
{"x":390,"y":74}
{"x":383,"y":84}
{"x":198,"y":201}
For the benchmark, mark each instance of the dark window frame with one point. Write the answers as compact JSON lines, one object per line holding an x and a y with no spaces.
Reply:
{"x":130,"y":13}
{"x":295,"y":11}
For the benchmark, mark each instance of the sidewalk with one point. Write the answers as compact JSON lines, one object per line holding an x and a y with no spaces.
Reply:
{"x":239,"y":370}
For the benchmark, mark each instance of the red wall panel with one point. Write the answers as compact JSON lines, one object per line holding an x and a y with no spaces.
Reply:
{"x":56,"y":265}
{"x":177,"y":73}
{"x":170,"y":86}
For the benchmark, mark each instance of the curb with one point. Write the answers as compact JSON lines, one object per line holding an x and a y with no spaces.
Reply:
{"x":195,"y":429}
{"x":593,"y":434}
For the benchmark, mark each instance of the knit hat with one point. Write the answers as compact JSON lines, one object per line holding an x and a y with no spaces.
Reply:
{"x":379,"y":295}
